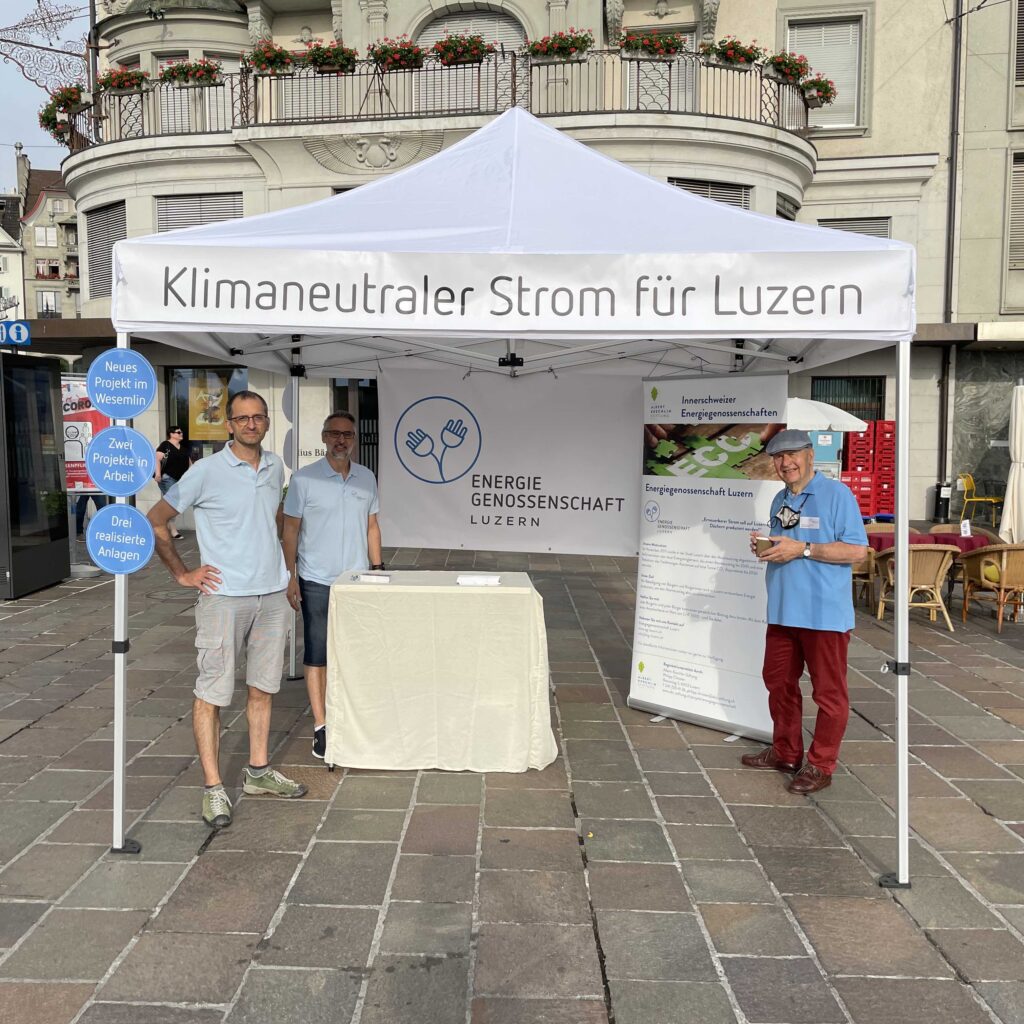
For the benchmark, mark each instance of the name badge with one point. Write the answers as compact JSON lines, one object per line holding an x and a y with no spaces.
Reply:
{"x":810,"y":522}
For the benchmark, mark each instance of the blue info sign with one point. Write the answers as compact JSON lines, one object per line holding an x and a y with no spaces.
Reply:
{"x":119,"y":539}
{"x":121,"y":383}
{"x":120,"y":460}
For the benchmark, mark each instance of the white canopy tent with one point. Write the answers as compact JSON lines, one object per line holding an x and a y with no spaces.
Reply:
{"x":522,"y":245}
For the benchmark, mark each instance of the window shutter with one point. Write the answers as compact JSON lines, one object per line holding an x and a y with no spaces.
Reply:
{"x":103,"y":228}
{"x":1016,"y":253}
{"x":877,"y":227}
{"x":721,"y":191}
{"x":173,"y":212}
{"x":1019,"y":73}
{"x":834,"y":50}
{"x":217,"y":103}
{"x":785,"y":207}
{"x":175,"y":103}
{"x":495,"y":28}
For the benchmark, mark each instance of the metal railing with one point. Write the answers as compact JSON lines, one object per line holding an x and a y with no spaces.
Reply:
{"x":602,"y":82}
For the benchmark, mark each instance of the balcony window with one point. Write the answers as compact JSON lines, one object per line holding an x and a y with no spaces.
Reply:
{"x":720,"y":191}
{"x":834,"y":48}
{"x":1015,"y":233}
{"x":173,"y":212}
{"x":46,"y":237}
{"x":48,"y":270}
{"x":59,"y":205}
{"x":175,"y":104}
{"x":1019,"y":52}
{"x":103,"y":227}
{"x":48,"y":305}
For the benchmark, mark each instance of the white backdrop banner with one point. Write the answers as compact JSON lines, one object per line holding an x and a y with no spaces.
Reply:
{"x":701,"y":607}
{"x":493,"y":463}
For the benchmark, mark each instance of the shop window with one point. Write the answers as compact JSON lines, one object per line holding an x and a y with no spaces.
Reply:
{"x":197,"y":401}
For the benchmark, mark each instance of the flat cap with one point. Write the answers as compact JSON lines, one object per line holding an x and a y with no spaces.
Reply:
{"x":789,"y":441}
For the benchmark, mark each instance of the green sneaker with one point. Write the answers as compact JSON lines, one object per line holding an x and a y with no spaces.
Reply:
{"x":272,"y":783}
{"x":216,"y":808}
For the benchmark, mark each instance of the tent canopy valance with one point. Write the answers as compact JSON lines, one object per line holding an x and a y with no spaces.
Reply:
{"x":516,"y":238}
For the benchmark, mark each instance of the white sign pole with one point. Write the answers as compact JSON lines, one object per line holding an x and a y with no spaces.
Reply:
{"x":297,"y":371}
{"x":120,"y":648}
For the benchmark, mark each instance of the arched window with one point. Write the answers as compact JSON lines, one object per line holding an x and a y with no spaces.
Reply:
{"x":468,"y":88}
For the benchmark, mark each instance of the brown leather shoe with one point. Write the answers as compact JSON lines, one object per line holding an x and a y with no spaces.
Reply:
{"x":767,"y":758}
{"x":809,"y":779}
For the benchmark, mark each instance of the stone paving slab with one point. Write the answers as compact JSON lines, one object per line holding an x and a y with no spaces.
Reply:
{"x":643,"y":877}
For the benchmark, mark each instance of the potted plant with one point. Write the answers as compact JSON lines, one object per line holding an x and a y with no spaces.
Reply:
{"x":787,"y":67}
{"x":122,"y":81}
{"x":650,"y":45}
{"x":54,"y":117}
{"x":400,"y":54}
{"x":730,"y":52}
{"x":460,"y":49}
{"x":187,"y":74}
{"x":331,"y":58}
{"x":571,"y":45}
{"x":267,"y":58}
{"x":818,"y":90}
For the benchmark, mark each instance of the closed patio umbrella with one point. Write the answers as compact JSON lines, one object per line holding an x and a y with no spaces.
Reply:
{"x":1011,"y":526}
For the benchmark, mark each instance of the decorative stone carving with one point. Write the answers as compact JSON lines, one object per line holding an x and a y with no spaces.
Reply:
{"x":336,"y":19}
{"x":613,"y":14}
{"x":376,"y":12}
{"x":709,"y":20}
{"x":259,"y":27}
{"x":112,"y":7}
{"x":343,"y":154}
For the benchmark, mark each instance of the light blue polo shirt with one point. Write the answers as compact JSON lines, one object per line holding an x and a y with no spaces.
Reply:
{"x":804,"y":592}
{"x":236,"y":520}
{"x":334,"y":513}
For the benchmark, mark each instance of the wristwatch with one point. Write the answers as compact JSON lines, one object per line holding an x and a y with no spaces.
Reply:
{"x":807,"y":549}
{"x":379,"y":565}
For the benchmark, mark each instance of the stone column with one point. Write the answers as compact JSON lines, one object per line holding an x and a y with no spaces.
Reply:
{"x":336,"y":19}
{"x":259,"y":21}
{"x":376,"y":12}
{"x":557,"y":19}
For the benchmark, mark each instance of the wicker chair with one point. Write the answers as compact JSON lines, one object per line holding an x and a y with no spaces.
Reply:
{"x":929,"y":564}
{"x":865,"y":572}
{"x":1008,"y":562}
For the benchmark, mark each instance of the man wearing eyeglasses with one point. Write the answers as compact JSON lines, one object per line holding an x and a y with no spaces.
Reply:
{"x":817,"y":534}
{"x":330,"y":527}
{"x":242,"y":585}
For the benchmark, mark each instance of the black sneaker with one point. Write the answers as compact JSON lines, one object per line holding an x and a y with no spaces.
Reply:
{"x":320,"y":742}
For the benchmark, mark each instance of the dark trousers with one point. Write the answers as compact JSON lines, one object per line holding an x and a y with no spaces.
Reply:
{"x":99,"y":500}
{"x":787,"y":649}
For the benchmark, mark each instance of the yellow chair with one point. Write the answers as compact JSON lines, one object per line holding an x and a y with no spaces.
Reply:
{"x":929,"y":564}
{"x":971,"y":497}
{"x":995,"y":573}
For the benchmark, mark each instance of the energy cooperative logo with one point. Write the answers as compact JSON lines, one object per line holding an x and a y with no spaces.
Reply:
{"x":437,"y":440}
{"x":652,"y":511}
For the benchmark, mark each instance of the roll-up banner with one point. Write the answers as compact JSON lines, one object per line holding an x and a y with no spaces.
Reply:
{"x":707,"y":482}
{"x":490,"y":463}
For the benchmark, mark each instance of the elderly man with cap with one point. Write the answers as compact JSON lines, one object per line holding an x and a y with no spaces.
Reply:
{"x":817,"y":534}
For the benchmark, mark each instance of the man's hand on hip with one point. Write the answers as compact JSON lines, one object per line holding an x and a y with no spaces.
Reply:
{"x":206,"y":579}
{"x":785,"y":550}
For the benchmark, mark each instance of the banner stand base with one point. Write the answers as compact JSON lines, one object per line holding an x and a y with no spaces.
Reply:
{"x":892,"y":881}
{"x":707,"y":723}
{"x":128,"y":846}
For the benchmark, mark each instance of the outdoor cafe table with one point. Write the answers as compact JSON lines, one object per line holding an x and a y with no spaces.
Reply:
{"x":882,"y":541}
{"x":425,"y":673}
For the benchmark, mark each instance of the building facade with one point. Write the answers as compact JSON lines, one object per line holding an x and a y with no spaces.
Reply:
{"x":921,"y":145}
{"x":12,"y":273}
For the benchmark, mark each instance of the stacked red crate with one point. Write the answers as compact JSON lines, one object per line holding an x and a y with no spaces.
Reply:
{"x":885,"y":466}
{"x":859,"y":451}
{"x":863,"y":487}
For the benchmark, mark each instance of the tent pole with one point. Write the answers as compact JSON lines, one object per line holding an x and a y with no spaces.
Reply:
{"x":901,"y":666}
{"x":297,"y":371}
{"x":120,"y":648}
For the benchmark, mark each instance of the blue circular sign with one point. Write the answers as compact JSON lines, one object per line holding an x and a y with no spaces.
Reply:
{"x":121,"y":383}
{"x":437,"y":439}
{"x":119,"y":539}
{"x":120,"y":461}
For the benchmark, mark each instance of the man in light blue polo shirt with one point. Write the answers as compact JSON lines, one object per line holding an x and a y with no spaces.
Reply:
{"x":817,"y":534}
{"x":330,"y":527}
{"x":242,"y":602}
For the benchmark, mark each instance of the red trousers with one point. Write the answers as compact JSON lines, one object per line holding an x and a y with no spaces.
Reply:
{"x":786,"y":650}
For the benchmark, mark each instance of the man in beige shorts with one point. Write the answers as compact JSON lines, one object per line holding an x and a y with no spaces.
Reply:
{"x":243,"y":603}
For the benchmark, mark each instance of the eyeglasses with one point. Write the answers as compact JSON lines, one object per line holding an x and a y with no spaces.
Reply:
{"x":257,"y":421}
{"x":177,"y":431}
{"x":337,"y":435}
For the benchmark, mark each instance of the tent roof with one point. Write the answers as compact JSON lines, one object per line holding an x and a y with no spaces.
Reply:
{"x":516,"y":188}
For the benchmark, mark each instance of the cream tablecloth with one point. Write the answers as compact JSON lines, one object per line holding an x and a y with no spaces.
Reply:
{"x":424,"y":673}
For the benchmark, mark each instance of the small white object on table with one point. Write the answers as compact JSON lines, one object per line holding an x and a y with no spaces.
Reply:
{"x":425,"y":673}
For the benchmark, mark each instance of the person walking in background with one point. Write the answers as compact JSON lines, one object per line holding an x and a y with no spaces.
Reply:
{"x":172,"y":462}
{"x":243,"y":605}
{"x":330,"y":527}
{"x":817,"y":534}
{"x":82,"y":506}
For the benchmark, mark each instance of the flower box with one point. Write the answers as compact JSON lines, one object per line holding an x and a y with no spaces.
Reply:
{"x":219,"y":80}
{"x":650,"y":58}
{"x":813,"y":100}
{"x":275,"y":73}
{"x":578,"y":59}
{"x":331,"y":58}
{"x":400,"y":54}
{"x":135,"y":91}
{"x":731,"y":64}
{"x":461,"y":49}
{"x":332,"y":69}
{"x":570,"y":46}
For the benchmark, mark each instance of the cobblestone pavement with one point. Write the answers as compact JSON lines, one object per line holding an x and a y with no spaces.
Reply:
{"x":642,"y":878}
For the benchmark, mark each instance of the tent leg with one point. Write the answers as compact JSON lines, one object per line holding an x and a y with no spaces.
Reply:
{"x":296,"y":371}
{"x":900,"y":879}
{"x":120,"y":648}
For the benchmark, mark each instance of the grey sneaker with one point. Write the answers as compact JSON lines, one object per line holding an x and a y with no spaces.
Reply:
{"x":272,"y":783}
{"x":216,"y":808}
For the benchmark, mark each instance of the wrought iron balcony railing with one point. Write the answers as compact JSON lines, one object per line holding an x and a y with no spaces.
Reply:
{"x":603,"y":82}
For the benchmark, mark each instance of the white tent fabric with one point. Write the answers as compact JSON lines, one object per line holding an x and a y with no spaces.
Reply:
{"x":807,"y":414}
{"x":1011,"y":525}
{"x":517,"y":237}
